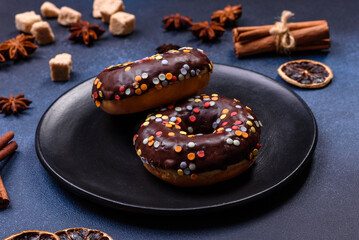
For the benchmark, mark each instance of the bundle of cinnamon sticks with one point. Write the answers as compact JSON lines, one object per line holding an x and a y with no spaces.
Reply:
{"x":310,"y":35}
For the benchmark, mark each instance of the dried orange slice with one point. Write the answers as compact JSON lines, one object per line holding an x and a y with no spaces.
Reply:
{"x":306,"y":73}
{"x":82,"y":234}
{"x":33,"y":235}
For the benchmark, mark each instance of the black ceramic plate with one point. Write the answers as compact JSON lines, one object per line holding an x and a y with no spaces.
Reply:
{"x":91,"y":152}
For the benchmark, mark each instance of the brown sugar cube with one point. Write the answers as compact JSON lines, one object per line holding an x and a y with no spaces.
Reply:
{"x":122,"y":23}
{"x":68,"y":15}
{"x":42,"y":33}
{"x":49,"y":10}
{"x":96,"y":8}
{"x":61,"y":67}
{"x":110,"y":7}
{"x":24,"y":21}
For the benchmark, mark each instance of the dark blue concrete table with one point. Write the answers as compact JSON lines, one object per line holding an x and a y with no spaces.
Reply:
{"x":322,"y":204}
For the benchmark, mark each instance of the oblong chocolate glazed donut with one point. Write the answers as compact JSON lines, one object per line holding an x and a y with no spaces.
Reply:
{"x":200,"y":141}
{"x":152,"y":82}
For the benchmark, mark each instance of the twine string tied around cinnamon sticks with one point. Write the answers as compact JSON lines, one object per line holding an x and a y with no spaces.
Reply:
{"x":284,"y":41}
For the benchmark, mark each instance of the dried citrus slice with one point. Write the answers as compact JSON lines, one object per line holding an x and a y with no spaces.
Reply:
{"x":82,"y":234}
{"x":306,"y":73}
{"x":33,"y":235}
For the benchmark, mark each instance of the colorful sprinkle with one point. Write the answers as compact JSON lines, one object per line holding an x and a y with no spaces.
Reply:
{"x":190,"y":130}
{"x":225,"y":111}
{"x":180,"y":77}
{"x":194,"y":176}
{"x":128,"y":91}
{"x":223,"y":116}
{"x":196,"y":110}
{"x":255,"y":152}
{"x":178,"y":109}
{"x":183,"y":71}
{"x":192,"y":118}
{"x":200,"y":154}
{"x":249,"y":123}
{"x":96,"y":81}
{"x":191,"y":144}
{"x":180,"y":172}
{"x":178,"y":149}
{"x":238,"y":133}
{"x":169,"y":76}
{"x":253,"y":129}
{"x":158,"y":133}
{"x":211,"y":103}
{"x":192,"y":166}
{"x":183,"y":132}
{"x":183,"y":165}
{"x":139,"y":152}
{"x":145,"y":141}
{"x":245,"y":135}
{"x":236,"y":142}
{"x":191,"y":156}
{"x":158,"y":86}
{"x":164,"y":62}
{"x":127,"y":69}
{"x":207,"y":104}
{"x":138,"y":78}
{"x":98,"y":103}
{"x":144,"y":75}
{"x":155,"y":81}
{"x":98,"y":85}
{"x":146,"y":123}
{"x":171,"y":134}
{"x":144,"y":87}
{"x":162,"y":77}
{"x":185,"y":66}
{"x":122,"y":88}
{"x":150,"y":143}
{"x":243,"y":129}
{"x":138,"y":91}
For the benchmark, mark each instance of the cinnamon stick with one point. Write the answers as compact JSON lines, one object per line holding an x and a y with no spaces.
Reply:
{"x":4,"y":139}
{"x":4,"y":199}
{"x":304,"y":37}
{"x":8,"y":150}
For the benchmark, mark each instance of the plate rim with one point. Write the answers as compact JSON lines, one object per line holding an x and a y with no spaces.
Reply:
{"x":143,"y":209}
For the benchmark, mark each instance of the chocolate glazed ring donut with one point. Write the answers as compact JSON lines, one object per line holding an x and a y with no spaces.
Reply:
{"x":201,"y":141}
{"x":152,"y":82}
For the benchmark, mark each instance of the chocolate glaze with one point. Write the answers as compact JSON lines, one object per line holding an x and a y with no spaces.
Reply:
{"x":118,"y":82}
{"x":219,"y":152}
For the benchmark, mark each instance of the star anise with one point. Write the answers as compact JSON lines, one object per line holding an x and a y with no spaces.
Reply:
{"x":84,"y":32}
{"x":176,"y":22}
{"x":14,"y":104}
{"x":19,"y":47}
{"x":207,"y":31}
{"x":166,"y":47}
{"x":228,"y":15}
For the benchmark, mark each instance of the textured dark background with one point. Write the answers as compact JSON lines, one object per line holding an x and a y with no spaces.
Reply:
{"x":321,"y":204}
